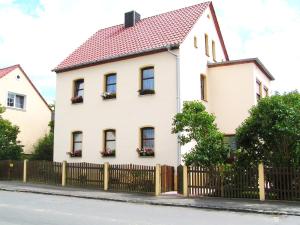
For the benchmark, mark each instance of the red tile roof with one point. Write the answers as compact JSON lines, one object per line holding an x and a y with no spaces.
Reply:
{"x":148,"y":35}
{"x":7,"y":70}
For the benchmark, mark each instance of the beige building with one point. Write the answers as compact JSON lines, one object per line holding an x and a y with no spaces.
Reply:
{"x":25,"y":107}
{"x":117,"y":93}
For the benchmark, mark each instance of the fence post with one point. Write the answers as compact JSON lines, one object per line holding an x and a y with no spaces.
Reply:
{"x":25,"y":171}
{"x":261,"y":181}
{"x":64,"y":173}
{"x":221,"y":170}
{"x":106,"y":176}
{"x":175,"y":181}
{"x":157,"y":179}
{"x":185,"y":181}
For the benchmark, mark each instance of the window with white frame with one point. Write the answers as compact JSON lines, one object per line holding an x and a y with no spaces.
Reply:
{"x":16,"y":100}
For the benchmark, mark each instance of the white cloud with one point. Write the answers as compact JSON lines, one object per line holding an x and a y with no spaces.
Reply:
{"x":264,"y":28}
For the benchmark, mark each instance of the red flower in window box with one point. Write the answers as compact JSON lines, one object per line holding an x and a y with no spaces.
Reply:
{"x":75,"y":154}
{"x":108,"y":153}
{"x":145,"y":151}
{"x":109,"y":95}
{"x":77,"y":99}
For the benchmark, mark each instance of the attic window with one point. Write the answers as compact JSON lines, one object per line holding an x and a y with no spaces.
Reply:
{"x":15,"y":101}
{"x":208,"y":16}
{"x":195,"y":42}
{"x":206,"y":45}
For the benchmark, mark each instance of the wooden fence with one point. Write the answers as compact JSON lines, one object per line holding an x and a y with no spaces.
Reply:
{"x":86,"y":175}
{"x":132,"y":178}
{"x":282,"y":183}
{"x":220,"y":182}
{"x":11,"y":170}
{"x":44,"y":172}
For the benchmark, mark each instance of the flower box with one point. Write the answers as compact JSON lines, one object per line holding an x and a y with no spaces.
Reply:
{"x":145,"y":152}
{"x":77,"y":99}
{"x":146,"y":92}
{"x":108,"y":153}
{"x":108,"y":95}
{"x":75,"y":154}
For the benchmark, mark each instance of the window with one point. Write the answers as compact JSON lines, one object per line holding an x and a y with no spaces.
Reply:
{"x":206,"y":45}
{"x":258,"y":90}
{"x":16,"y":101}
{"x":78,"y":91}
{"x":77,"y":144}
{"x":147,"y":81}
{"x":230,"y":140}
{"x":110,"y":86}
{"x":195,"y":42}
{"x":111,"y":83}
{"x":213,"y":47}
{"x":109,"y":143}
{"x":203,"y":87}
{"x":266,"y":90}
{"x":147,"y":141}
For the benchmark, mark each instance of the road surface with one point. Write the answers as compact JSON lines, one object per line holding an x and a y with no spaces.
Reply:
{"x":36,"y":209}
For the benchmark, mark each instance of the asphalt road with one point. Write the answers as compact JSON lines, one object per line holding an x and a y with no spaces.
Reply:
{"x":35,"y":209}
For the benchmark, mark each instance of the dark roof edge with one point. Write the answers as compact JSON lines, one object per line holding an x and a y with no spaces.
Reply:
{"x":212,"y":9}
{"x":36,"y":90}
{"x":257,"y":62}
{"x":117,"y":58}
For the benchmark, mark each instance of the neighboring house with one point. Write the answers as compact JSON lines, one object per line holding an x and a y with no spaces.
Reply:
{"x":119,"y":91}
{"x":25,"y":107}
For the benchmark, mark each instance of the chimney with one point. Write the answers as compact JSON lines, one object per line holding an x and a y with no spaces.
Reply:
{"x":131,"y":18}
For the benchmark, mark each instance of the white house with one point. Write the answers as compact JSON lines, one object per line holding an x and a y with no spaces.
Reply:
{"x":117,"y":93}
{"x":25,"y":106}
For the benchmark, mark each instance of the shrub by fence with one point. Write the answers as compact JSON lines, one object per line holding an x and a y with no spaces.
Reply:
{"x":44,"y":172}
{"x":86,"y":175}
{"x":226,"y":182}
{"x":11,"y":170}
{"x":282,"y":183}
{"x":132,"y":178}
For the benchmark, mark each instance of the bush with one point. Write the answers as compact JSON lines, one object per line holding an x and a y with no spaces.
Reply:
{"x":271,"y":133}
{"x":10,"y":148}
{"x":43,"y":150}
{"x":195,"y":124}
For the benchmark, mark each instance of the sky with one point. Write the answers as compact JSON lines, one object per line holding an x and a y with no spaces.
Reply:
{"x":39,"y":34}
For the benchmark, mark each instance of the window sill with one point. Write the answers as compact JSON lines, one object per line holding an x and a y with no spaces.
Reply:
{"x":108,"y":156}
{"x":146,"y":92}
{"x":204,"y":100}
{"x":77,"y":100}
{"x":146,"y":156}
{"x":74,"y":155}
{"x":14,"y":108}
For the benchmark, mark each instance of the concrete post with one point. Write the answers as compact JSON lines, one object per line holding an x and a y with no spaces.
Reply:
{"x":64,"y":174}
{"x":25,"y":170}
{"x":185,"y":181}
{"x":261,"y":182}
{"x":106,"y":176}
{"x":157,"y":180}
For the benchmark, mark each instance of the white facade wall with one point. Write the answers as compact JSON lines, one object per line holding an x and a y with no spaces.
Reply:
{"x":193,"y":61}
{"x":126,"y":114}
{"x":33,"y":120}
{"x":232,"y":91}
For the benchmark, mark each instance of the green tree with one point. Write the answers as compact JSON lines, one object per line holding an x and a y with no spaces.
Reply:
{"x":10,"y":148}
{"x":271,"y":133}
{"x":43,"y":150}
{"x":196,"y":125}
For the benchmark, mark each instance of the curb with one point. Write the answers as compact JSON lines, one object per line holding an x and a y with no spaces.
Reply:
{"x":149,"y":202}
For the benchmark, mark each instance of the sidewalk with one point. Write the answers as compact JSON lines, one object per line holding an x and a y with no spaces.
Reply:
{"x":172,"y":199}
